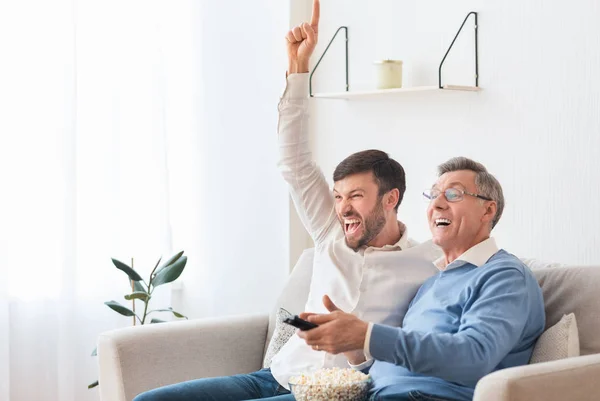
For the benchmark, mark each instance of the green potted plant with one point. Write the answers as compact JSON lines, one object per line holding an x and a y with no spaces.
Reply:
{"x":142,"y":290}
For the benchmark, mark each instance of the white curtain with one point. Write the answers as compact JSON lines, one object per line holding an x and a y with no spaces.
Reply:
{"x":87,"y":89}
{"x":132,"y":129}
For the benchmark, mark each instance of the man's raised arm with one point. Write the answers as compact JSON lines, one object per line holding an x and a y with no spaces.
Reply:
{"x":309,"y":189}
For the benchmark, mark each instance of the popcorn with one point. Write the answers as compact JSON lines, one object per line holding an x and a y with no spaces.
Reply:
{"x":333,"y":384}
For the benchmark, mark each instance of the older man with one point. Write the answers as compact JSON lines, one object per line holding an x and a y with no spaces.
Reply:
{"x":482,"y":312}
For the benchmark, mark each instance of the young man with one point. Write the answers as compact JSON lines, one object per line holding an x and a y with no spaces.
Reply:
{"x":482,"y":312}
{"x":364,"y":259}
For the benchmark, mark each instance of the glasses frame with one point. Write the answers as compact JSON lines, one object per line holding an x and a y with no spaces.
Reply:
{"x":462,"y":191}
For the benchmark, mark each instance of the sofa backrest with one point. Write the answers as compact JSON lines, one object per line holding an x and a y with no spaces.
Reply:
{"x":566,"y":289}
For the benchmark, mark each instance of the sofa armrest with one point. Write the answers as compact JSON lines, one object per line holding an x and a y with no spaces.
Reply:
{"x":136,"y":359}
{"x":567,"y":379}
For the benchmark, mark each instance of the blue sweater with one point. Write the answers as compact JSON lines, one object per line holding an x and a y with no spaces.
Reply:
{"x":463,"y":324}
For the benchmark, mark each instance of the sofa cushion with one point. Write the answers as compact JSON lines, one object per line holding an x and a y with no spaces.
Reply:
{"x":574,"y":290}
{"x":295,"y":293}
{"x":281,"y":335}
{"x":558,"y":342}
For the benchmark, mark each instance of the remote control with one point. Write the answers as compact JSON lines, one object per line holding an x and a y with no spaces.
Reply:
{"x":300,"y":323}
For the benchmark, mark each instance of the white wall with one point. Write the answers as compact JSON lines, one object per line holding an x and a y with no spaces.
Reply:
{"x":237,"y":228}
{"x":535,"y":125}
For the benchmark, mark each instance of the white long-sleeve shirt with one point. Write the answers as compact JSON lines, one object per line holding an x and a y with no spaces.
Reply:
{"x":375,"y":284}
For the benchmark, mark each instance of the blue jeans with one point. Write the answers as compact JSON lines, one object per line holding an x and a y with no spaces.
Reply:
{"x":252,"y":386}
{"x":390,"y":395}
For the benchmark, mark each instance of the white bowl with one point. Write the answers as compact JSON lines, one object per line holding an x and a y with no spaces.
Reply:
{"x":353,"y":391}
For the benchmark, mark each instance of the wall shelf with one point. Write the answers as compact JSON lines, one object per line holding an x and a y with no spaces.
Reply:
{"x":383,"y":92}
{"x":362,"y":94}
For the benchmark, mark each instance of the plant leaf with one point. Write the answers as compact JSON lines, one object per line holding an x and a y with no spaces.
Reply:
{"x":159,"y":310}
{"x":95,"y":352}
{"x":138,"y":286}
{"x":155,"y":320}
{"x":169,"y":262}
{"x":170,"y":273}
{"x":177,"y":314}
{"x":117,"y":307}
{"x":94,"y":384}
{"x":143,"y":295}
{"x":133,"y":275}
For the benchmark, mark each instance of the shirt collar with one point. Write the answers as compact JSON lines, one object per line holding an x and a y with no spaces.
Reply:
{"x":477,"y":255}
{"x":402,"y":242}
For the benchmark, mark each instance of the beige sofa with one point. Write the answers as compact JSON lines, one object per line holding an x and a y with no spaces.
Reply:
{"x":136,"y":359}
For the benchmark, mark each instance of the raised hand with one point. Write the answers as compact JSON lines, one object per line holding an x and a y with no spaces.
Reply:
{"x":301,"y":41}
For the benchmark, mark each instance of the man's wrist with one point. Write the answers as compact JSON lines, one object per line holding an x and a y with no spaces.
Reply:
{"x":363,"y":335}
{"x":297,"y":67}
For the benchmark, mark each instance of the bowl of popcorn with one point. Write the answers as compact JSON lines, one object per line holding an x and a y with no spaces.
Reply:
{"x":332,"y":384}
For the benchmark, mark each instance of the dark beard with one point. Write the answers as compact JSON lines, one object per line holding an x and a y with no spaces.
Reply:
{"x":372,"y":226}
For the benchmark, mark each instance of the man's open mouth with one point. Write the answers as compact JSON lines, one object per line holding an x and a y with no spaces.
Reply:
{"x":442,"y":222}
{"x":351,"y":225}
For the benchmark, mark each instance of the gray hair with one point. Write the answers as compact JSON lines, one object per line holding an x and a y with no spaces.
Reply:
{"x":485,"y":182}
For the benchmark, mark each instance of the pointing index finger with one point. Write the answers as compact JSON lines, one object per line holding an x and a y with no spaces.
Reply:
{"x":316,"y":13}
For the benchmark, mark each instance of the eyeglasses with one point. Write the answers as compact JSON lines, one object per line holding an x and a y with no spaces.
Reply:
{"x":451,"y":194}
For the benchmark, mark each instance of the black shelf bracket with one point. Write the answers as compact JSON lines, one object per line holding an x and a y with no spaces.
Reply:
{"x":345,"y":28}
{"x":474,"y":14}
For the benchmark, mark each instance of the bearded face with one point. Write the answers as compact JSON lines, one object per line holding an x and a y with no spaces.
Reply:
{"x":362,"y":229}
{"x":359,"y":208}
